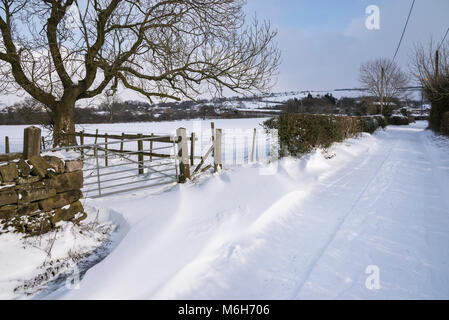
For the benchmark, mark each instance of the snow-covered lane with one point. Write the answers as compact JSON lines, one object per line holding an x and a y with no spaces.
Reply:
{"x":308,"y":231}
{"x":398,"y":222}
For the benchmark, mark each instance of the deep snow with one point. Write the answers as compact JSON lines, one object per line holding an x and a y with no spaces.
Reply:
{"x":32,"y":267}
{"x":299,"y":229}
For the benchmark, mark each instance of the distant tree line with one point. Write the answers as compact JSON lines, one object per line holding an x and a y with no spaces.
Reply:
{"x":360,"y":106}
{"x":31,"y":112}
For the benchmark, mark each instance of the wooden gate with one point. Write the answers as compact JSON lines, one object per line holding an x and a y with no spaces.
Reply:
{"x":124,"y":163}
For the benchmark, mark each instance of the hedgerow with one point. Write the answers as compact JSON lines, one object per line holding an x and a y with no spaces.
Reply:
{"x":445,"y":124}
{"x":302,"y":133}
{"x":399,"y":120}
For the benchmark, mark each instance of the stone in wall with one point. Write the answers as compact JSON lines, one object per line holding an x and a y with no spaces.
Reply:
{"x":40,"y":166}
{"x":28,"y":209}
{"x":73,"y":165}
{"x":60,"y":200}
{"x":28,"y":180}
{"x":67,"y":214}
{"x":55,"y":163}
{"x":67,"y":181}
{"x":8,"y":212}
{"x":36,"y":194}
{"x":9,"y":172}
{"x":24,"y":168}
{"x":8,"y":196}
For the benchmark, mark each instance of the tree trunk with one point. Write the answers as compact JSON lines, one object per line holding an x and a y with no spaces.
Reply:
{"x":64,"y":122}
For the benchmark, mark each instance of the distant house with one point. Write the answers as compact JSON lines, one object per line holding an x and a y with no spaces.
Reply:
{"x":391,"y":104}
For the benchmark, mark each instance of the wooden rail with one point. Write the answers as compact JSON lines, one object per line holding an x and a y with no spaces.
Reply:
{"x":10,"y":157}
{"x":120,"y":137}
{"x":123,"y":137}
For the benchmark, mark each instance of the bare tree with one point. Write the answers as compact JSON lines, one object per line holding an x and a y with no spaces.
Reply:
{"x":385,"y":88}
{"x":110,"y":101}
{"x":63,"y":51}
{"x":431,"y":69}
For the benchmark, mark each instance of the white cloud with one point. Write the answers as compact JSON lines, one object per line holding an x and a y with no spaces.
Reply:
{"x":328,"y":60}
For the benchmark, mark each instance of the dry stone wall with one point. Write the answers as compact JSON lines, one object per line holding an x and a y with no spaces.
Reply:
{"x":38,"y":193}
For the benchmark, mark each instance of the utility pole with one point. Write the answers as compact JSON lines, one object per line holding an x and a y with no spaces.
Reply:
{"x":382,"y":91}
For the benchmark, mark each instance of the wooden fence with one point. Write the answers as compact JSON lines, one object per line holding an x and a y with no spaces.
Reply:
{"x":190,"y":163}
{"x":144,"y":151}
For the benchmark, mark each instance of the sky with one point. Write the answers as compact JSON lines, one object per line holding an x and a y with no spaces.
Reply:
{"x":324,"y":42}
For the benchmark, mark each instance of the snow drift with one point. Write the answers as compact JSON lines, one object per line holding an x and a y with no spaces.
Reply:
{"x":307,"y":228}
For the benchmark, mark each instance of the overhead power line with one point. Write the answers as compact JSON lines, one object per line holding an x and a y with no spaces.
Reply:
{"x":405,"y":28}
{"x":444,"y":38}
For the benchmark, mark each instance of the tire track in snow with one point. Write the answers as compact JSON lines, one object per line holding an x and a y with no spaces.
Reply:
{"x":341,"y":221}
{"x":351,"y":172}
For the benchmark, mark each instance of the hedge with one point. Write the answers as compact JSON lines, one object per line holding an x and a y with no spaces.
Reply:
{"x":437,"y":95}
{"x":399,"y":120}
{"x":445,"y":124}
{"x":301,"y":133}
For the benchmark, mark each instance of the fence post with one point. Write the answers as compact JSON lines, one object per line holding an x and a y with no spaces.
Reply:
{"x":96,"y":139}
{"x":82,"y":143}
{"x":183,"y":153}
{"x":96,"y":136}
{"x":254,"y":145}
{"x":121,"y":143}
{"x":43,"y":144}
{"x":6,"y":144}
{"x":151,"y":148}
{"x":106,"y":149}
{"x":31,"y":142}
{"x":217,"y":151}
{"x":192,"y":149}
{"x":140,"y":154}
{"x":212,"y":127}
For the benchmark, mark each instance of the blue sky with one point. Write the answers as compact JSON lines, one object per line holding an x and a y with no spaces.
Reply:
{"x":318,"y":15}
{"x":323,"y":42}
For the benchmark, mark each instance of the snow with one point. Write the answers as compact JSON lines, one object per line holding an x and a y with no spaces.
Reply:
{"x":398,"y":115}
{"x":265,"y":102}
{"x":296,"y":229}
{"x":260,"y":110}
{"x":169,"y":127}
{"x":34,"y":266}
{"x":15,"y":133}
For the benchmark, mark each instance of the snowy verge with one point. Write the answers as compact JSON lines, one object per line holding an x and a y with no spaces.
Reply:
{"x":31,"y":267}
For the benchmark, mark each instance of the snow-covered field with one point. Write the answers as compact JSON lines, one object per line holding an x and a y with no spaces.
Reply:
{"x":200,"y":127}
{"x":300,"y":228}
{"x":277,"y":99}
